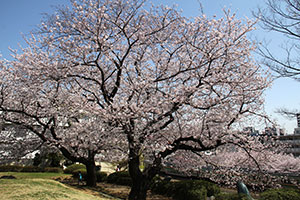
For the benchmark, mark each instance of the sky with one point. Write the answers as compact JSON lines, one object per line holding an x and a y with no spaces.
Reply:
{"x":19,"y":17}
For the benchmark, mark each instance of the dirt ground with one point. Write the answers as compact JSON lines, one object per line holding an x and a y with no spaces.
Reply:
{"x":109,"y":191}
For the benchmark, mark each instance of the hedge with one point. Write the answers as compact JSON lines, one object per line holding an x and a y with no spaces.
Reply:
{"x":120,"y":178}
{"x":18,"y":168}
{"x":29,"y":168}
{"x":70,"y":169}
{"x":226,"y":196}
{"x":101,"y":176}
{"x":186,"y":189}
{"x":10,"y":168}
{"x":280,"y":194}
{"x":53,"y":169}
{"x":32,"y":169}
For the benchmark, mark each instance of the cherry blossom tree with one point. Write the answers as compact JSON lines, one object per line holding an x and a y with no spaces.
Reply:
{"x":147,"y":76}
{"x":259,"y":166}
{"x":45,"y":110}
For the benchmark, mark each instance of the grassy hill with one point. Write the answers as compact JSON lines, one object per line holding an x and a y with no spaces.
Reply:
{"x":39,"y":186}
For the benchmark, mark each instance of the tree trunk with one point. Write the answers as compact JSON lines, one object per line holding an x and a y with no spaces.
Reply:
{"x":91,"y":170}
{"x":140,"y":180}
{"x":91,"y":174}
{"x":88,"y":162}
{"x":139,"y":189}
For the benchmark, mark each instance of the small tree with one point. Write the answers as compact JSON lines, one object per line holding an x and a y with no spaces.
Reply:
{"x":48,"y":157}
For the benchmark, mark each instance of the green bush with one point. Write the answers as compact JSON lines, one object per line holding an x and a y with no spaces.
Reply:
{"x":155,"y":180}
{"x":226,"y":196}
{"x":32,"y":169}
{"x":101,"y":176}
{"x":280,"y":194}
{"x":54,"y":159}
{"x":187,"y":189}
{"x":162,"y":187}
{"x":71,"y":168}
{"x":113,"y":177}
{"x":10,"y":168}
{"x":195,"y":194}
{"x":120,"y":178}
{"x":53,"y":169}
{"x":48,"y":159}
{"x":212,"y":189}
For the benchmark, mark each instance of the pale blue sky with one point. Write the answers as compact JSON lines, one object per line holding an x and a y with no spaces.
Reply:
{"x":21,"y":16}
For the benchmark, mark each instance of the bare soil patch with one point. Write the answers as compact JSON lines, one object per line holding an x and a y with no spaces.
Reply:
{"x":109,"y":190}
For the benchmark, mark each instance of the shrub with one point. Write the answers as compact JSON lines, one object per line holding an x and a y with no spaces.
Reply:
{"x":17,"y":168}
{"x":226,"y":196}
{"x":156,"y":179}
{"x":53,"y":169}
{"x":54,"y":159}
{"x":188,"y":189}
{"x":112,"y":178}
{"x":101,"y":176}
{"x":120,"y":178}
{"x":32,"y":169}
{"x":195,"y":194}
{"x":10,"y":168}
{"x":280,"y":194}
{"x":159,"y":186}
{"x":212,"y":189}
{"x":37,"y":160}
{"x":71,"y":168}
{"x":163,"y":187}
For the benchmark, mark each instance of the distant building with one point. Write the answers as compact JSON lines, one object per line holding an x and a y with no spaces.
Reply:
{"x":271,"y":131}
{"x":294,"y":143}
{"x":281,"y":132}
{"x":293,"y":140}
{"x":297,"y":130}
{"x":251,"y":131}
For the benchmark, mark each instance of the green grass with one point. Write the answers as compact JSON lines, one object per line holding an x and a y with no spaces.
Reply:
{"x":39,"y":186}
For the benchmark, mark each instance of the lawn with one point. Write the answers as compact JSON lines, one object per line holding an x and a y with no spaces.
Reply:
{"x":39,"y":186}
